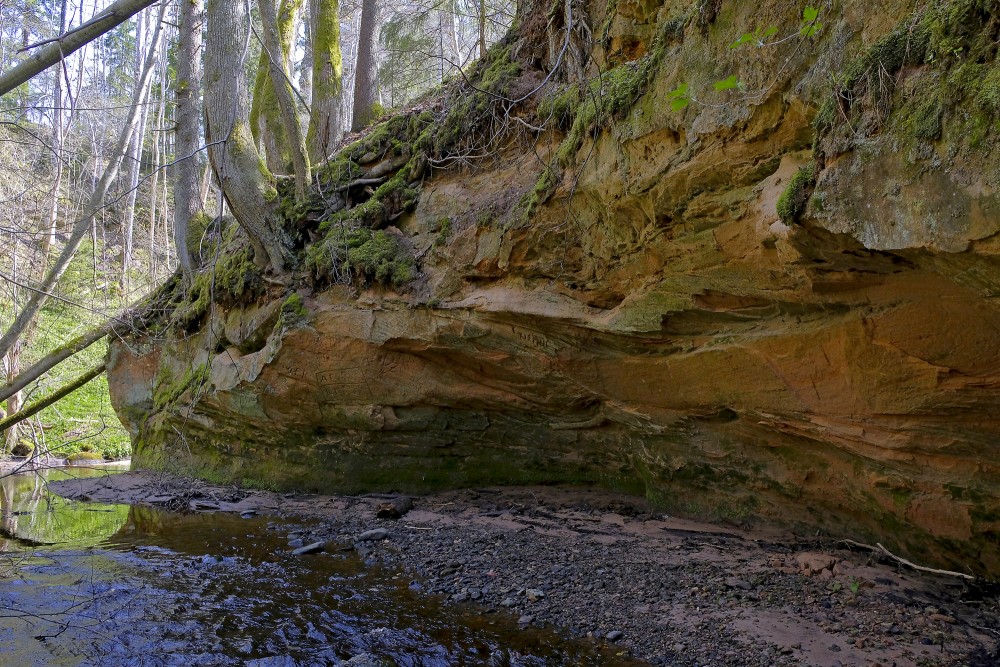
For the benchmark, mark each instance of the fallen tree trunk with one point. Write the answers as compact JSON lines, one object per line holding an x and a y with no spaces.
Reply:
{"x":61,"y":393}
{"x":57,"y":356}
{"x":69,"y":42}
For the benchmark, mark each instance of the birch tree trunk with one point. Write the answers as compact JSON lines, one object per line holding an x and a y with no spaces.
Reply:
{"x":49,"y":239}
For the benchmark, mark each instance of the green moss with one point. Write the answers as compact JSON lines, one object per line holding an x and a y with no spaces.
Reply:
{"x":167,"y":388}
{"x":544,"y":187}
{"x":792,"y":202}
{"x":293,"y":312}
{"x":237,"y":278}
{"x":197,"y":231}
{"x":328,"y":66}
{"x":362,"y":254}
{"x":956,"y":89}
{"x":560,"y":105}
{"x":443,"y":229}
{"x":82,"y":457}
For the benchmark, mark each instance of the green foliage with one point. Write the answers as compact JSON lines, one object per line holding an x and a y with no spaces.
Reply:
{"x":758,"y":37}
{"x":810,"y":22}
{"x":679,"y":98}
{"x":792,"y":202}
{"x":728,"y":83}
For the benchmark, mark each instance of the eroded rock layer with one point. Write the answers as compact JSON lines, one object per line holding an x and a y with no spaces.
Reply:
{"x":777,"y":301}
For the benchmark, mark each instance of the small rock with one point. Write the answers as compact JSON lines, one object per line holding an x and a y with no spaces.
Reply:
{"x":507,"y":602}
{"x":363,"y":660}
{"x":314,"y":548}
{"x":374,"y":535}
{"x":741,"y":584}
{"x":525,"y":620}
{"x":942,"y":618}
{"x":249,"y":514}
{"x":297,"y":542}
{"x":534,"y":594}
{"x":614,"y":635}
{"x":394,"y":508}
{"x":459,"y":597}
{"x":814,"y":563}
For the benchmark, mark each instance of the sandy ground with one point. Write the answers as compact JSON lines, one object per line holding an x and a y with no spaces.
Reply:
{"x":592,"y":563}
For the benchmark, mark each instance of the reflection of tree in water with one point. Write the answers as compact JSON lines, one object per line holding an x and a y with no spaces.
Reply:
{"x":31,"y":516}
{"x":8,"y":519}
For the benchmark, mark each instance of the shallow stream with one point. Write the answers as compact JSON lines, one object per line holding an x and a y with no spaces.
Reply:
{"x":88,"y":584}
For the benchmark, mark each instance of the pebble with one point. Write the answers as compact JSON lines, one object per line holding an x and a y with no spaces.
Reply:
{"x":614,"y":635}
{"x":534,"y":594}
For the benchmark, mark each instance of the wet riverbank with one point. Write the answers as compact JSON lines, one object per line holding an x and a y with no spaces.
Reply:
{"x":609,"y":571}
{"x":151,"y":587}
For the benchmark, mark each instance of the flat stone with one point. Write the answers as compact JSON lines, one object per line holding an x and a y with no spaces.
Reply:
{"x":374,"y":535}
{"x":314,"y":548}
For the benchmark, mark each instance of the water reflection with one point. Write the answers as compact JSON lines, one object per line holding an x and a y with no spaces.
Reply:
{"x":30,"y":516}
{"x":214,"y":589}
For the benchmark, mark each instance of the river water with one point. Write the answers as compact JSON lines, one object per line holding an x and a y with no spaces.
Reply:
{"x":116,"y":586}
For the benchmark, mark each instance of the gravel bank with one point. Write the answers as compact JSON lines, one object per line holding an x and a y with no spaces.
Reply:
{"x":594,"y":564}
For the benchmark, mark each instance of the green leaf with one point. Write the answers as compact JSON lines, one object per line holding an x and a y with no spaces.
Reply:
{"x":811,"y":29}
{"x":679,"y":97}
{"x":727,"y":83}
{"x":769,"y":32}
{"x":746,"y":38}
{"x":810,"y":14}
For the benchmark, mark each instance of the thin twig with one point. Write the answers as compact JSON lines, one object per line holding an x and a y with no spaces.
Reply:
{"x":878,"y":548}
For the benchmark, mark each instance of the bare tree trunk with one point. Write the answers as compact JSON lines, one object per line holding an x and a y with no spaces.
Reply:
{"x":248,"y":186}
{"x":453,"y":24}
{"x":187,"y":175}
{"x":280,"y":82}
{"x":83,"y":225}
{"x":18,"y":381}
{"x":134,"y":158}
{"x":482,"y":28}
{"x":59,"y":48}
{"x":64,"y":391}
{"x":305,"y":75}
{"x":325,"y":121}
{"x":365,"y":92}
{"x":49,"y":239}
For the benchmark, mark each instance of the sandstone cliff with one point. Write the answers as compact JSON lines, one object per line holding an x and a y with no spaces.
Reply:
{"x":777,"y":300}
